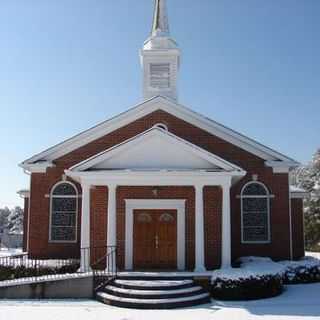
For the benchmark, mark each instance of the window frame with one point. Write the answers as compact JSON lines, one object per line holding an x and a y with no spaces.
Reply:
{"x":76,"y":197}
{"x":268,"y":196}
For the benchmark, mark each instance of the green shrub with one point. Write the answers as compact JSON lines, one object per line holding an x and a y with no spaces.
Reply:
{"x":247,"y":288}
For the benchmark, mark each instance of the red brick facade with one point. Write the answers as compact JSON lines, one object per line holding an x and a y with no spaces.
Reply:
{"x":297,"y":228}
{"x":277,"y":184}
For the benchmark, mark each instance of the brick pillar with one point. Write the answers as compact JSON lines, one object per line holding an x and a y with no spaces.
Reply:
{"x":98,"y":223}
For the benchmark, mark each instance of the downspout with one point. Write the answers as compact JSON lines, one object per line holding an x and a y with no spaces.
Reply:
{"x":29,"y":205}
{"x":290,"y":220}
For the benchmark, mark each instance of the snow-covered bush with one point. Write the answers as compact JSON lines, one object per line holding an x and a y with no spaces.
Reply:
{"x":306,"y":270}
{"x":255,"y":279}
{"x":16,"y":272}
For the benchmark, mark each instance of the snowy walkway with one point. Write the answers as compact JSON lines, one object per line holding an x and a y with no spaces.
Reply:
{"x":298,"y":302}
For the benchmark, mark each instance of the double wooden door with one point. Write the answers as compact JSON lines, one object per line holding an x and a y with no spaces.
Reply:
{"x":155,"y":239}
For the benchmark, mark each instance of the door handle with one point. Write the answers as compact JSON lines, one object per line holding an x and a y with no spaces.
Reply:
{"x":156,"y":238}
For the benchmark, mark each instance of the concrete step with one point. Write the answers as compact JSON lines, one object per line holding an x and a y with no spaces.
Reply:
{"x":153,"y":294}
{"x":150,"y":293}
{"x":169,"y":303}
{"x":153,"y":284}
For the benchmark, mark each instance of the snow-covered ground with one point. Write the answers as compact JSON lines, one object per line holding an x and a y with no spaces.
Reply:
{"x":313,"y":254}
{"x":297,"y":302}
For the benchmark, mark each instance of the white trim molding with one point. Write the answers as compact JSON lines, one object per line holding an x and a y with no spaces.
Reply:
{"x":37,"y":167}
{"x":281,"y":166}
{"x":153,"y":204}
{"x":85,"y":229}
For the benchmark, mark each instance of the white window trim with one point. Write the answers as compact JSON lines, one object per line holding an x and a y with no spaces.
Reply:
{"x":268,"y":196}
{"x":76,"y":197}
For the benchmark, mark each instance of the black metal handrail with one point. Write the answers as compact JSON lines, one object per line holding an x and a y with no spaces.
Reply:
{"x":105,"y":267}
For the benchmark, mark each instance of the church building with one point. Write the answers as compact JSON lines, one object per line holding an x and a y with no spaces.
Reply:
{"x":167,"y":187}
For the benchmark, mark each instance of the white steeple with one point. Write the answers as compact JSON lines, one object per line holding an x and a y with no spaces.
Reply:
{"x":160,"y":26}
{"x":160,"y":57}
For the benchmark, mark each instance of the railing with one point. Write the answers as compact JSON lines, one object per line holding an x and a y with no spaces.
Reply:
{"x":102,"y":263}
{"x":21,"y":266}
{"x":98,"y":261}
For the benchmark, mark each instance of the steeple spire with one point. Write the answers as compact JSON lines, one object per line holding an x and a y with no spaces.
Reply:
{"x":160,"y":57}
{"x":160,"y":26}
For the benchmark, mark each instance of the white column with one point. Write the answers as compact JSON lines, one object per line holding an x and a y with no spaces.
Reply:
{"x":112,"y":225}
{"x":226,"y":227}
{"x":85,"y":229}
{"x":199,"y":228}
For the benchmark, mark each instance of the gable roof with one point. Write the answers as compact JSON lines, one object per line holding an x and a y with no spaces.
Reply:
{"x":168,"y":151}
{"x":171,"y":107}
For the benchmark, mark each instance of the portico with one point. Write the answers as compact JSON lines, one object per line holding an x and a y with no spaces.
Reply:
{"x":183,"y":164}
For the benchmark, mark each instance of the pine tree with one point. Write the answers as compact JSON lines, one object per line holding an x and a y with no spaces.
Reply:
{"x":15,"y":220}
{"x":308,"y":178}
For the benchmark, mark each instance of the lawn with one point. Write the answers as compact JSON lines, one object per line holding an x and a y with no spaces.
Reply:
{"x":297,"y":302}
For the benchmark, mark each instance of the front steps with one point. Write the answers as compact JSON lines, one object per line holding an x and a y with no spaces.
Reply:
{"x":153,"y":294}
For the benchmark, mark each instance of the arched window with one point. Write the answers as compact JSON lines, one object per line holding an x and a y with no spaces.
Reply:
{"x":161,"y":126}
{"x":255,"y":213}
{"x":64,"y":208}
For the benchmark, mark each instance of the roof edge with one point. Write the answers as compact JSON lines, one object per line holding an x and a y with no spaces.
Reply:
{"x":169,"y":106}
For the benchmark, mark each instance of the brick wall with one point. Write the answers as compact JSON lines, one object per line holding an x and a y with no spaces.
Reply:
{"x":279,"y":247}
{"x":98,"y":222}
{"x":212,"y":228}
{"x":39,"y":245}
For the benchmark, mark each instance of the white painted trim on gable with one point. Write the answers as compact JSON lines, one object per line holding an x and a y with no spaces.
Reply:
{"x":147,"y":107}
{"x":134,"y":204}
{"x":281,"y":166}
{"x":38,"y":167}
{"x":179,"y":142}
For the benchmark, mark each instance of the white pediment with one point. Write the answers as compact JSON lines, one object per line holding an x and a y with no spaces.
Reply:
{"x":154,"y":152}
{"x":155,"y":149}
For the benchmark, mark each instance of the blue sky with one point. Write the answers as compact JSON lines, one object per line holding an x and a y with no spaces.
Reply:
{"x":69,"y":64}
